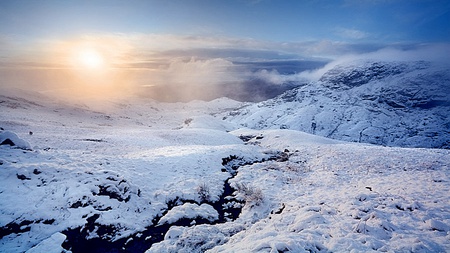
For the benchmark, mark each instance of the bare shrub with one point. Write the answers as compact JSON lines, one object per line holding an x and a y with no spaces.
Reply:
{"x":203,"y":192}
{"x":298,"y":166}
{"x":188,"y":121}
{"x":252,"y":195}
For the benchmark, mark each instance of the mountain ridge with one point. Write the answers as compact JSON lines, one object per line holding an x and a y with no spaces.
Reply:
{"x":395,"y":103}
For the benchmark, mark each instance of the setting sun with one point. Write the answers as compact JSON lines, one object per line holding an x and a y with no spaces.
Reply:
{"x":90,"y":58}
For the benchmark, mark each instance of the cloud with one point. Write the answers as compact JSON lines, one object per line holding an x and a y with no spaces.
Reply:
{"x":181,"y":68}
{"x":274,"y":77}
{"x":10,"y":48}
{"x":420,"y":52}
{"x":151,"y":47}
{"x":435,"y":53}
{"x":198,"y":72}
{"x":185,"y":80}
{"x":353,"y":34}
{"x":155,"y":51}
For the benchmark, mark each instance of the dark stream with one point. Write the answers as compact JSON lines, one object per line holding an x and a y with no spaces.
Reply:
{"x":228,"y":207}
{"x":140,"y":242}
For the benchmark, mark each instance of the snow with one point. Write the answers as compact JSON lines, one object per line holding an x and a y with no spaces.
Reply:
{"x":87,"y":162}
{"x":190,"y":211}
{"x":124,"y":166}
{"x":283,"y":139}
{"x":8,"y":137}
{"x":50,"y":245}
{"x":370,"y":199}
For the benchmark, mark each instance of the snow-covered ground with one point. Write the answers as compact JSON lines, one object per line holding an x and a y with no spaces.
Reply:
{"x":122,"y":169}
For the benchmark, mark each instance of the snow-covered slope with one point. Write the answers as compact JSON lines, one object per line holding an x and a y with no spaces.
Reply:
{"x":393,"y":103}
{"x":145,"y":176}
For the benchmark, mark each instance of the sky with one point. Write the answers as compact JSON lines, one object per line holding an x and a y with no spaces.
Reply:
{"x":154,"y":41}
{"x":271,"y":20}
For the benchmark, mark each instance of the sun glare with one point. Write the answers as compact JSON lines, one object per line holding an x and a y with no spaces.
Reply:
{"x":91,"y":68}
{"x":90,"y":58}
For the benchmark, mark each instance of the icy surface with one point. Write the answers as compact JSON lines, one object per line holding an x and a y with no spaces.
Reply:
{"x":130,"y":166}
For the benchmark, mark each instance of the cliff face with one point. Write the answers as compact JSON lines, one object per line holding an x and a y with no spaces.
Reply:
{"x":387,"y":103}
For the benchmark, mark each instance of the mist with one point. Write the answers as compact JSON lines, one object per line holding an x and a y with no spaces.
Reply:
{"x":191,"y":75}
{"x":195,"y":79}
{"x":433,"y":53}
{"x":181,"y":80}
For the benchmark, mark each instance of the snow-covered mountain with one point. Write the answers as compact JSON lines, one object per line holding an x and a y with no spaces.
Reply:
{"x":393,"y":103}
{"x":143,"y":176}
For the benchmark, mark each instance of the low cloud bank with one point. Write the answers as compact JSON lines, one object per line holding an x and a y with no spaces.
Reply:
{"x":181,"y":80}
{"x":434,"y":53}
{"x":213,"y":78}
{"x":176,"y":68}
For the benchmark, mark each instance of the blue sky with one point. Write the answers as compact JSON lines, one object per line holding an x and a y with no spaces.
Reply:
{"x":380,"y":21}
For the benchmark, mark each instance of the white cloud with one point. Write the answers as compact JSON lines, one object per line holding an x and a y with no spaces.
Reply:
{"x":196,"y":72}
{"x":424,"y":52}
{"x":138,"y":50}
{"x":435,"y":53}
{"x":274,"y":77}
{"x":353,"y":34}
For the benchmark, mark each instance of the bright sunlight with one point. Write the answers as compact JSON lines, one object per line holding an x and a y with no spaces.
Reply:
{"x":90,"y":58}
{"x":91,"y":69}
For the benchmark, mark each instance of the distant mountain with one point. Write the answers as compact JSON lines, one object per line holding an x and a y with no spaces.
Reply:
{"x":387,"y":103}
